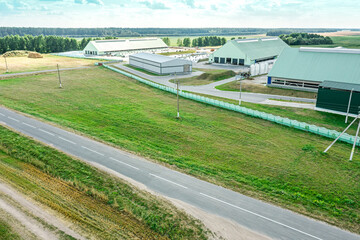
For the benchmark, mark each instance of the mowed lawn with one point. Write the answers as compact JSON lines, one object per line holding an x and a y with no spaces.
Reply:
{"x":249,"y":155}
{"x":25,"y":64}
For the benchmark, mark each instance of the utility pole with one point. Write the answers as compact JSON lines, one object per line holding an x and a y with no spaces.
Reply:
{"x":178,"y":106}
{"x":7,"y":69}
{"x":356,"y":137}
{"x":238,"y":77}
{"x":348,"y":108}
{"x":59,"y":75}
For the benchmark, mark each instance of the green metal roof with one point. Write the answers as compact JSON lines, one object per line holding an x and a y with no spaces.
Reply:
{"x":341,"y":85}
{"x":316,"y":64}
{"x":261,"y":47}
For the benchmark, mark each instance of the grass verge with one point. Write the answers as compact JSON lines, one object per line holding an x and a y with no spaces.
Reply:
{"x":257,"y":88}
{"x":209,"y":76}
{"x":6,"y":231}
{"x":103,"y":206}
{"x":256,"y":157}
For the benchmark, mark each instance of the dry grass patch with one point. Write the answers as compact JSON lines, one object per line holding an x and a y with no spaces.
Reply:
{"x":25,"y":64}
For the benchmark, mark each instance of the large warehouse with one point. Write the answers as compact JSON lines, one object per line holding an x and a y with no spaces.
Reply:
{"x":123,"y":47}
{"x":306,"y":68}
{"x":248,"y":51}
{"x":339,"y":96}
{"x":160,"y":64}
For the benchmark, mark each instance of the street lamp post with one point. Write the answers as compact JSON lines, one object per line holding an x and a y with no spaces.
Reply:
{"x":7,"y":69}
{"x":177,"y":96}
{"x":239,"y":77}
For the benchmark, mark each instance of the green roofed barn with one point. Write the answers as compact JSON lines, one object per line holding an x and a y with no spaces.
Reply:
{"x":248,"y":51}
{"x":124,"y":47}
{"x":306,"y":68}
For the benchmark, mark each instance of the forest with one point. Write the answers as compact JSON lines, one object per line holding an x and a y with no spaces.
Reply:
{"x":41,"y":44}
{"x":305,"y":39}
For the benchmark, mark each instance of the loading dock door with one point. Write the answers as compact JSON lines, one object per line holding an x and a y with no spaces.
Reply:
{"x":222,"y":60}
{"x":235,"y":61}
{"x":187,"y":68}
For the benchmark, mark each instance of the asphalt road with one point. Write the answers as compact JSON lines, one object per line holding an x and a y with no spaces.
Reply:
{"x":256,"y":215}
{"x":210,"y":89}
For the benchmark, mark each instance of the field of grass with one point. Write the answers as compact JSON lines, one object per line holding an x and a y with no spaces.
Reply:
{"x":257,"y":88}
{"x":25,"y":64}
{"x":6,"y":232}
{"x":209,"y":76}
{"x":343,"y":41}
{"x":101,"y":206}
{"x":281,"y":165}
{"x":322,"y":119}
{"x":142,"y":70}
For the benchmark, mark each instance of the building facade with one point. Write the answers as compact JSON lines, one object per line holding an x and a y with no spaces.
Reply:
{"x":339,"y":97}
{"x":160,"y":64}
{"x":124,"y":47}
{"x":248,"y":51}
{"x":306,"y":68}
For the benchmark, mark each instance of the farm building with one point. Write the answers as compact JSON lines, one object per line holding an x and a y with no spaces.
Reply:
{"x":306,"y":68}
{"x":124,"y":46}
{"x":248,"y":51}
{"x":160,"y":64}
{"x":337,"y":96}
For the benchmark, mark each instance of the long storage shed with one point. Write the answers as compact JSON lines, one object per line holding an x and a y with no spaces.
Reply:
{"x":160,"y":64}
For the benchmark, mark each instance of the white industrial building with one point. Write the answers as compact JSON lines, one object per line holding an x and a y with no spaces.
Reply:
{"x":124,"y":47}
{"x":160,"y":64}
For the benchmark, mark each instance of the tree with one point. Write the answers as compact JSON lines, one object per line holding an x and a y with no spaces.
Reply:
{"x":186,"y":42}
{"x":179,"y":42}
{"x":166,"y":40}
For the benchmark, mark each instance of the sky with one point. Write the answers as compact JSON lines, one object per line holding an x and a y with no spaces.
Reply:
{"x":181,"y":13}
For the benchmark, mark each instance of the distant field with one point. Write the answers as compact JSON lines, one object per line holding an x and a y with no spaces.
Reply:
{"x":343,"y":41}
{"x":340,"y":33}
{"x":249,"y":155}
{"x":98,"y":205}
{"x":25,"y":64}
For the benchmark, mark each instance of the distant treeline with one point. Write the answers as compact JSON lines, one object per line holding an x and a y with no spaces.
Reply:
{"x":141,"y":32}
{"x":305,"y":39}
{"x":41,"y":44}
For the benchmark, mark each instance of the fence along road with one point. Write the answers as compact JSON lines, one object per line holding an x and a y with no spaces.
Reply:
{"x":256,"y":215}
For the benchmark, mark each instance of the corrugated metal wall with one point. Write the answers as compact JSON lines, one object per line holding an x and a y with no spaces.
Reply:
{"x":338,"y":100}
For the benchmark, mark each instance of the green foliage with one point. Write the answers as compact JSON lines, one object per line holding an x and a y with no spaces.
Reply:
{"x":208,"y":41}
{"x":166,"y":40}
{"x":41,"y":44}
{"x":305,"y":39}
{"x":186,"y":42}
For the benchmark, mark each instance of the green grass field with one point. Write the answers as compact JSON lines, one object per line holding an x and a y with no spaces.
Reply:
{"x":209,"y":76}
{"x":257,"y":88}
{"x":100,"y":205}
{"x":252,"y":156}
{"x":343,"y":41}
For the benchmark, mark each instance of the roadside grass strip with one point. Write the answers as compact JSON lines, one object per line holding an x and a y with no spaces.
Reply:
{"x":333,"y":134}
